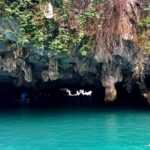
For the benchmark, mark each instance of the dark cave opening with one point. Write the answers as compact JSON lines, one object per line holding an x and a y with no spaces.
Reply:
{"x":10,"y":96}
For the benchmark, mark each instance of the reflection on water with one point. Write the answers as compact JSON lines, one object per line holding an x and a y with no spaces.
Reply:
{"x":74,"y":129}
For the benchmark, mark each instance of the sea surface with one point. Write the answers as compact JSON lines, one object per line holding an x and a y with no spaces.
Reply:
{"x":75,"y":129}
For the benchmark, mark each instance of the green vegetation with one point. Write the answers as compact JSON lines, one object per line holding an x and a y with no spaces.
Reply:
{"x":144,"y":28}
{"x":56,"y":35}
{"x":75,"y":27}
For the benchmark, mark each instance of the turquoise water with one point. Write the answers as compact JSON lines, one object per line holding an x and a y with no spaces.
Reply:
{"x":77,"y":129}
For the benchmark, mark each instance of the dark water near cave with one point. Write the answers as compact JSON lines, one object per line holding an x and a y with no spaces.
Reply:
{"x":75,"y":129}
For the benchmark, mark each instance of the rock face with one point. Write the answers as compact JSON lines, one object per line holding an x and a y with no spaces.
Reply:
{"x":33,"y":68}
{"x":50,"y":69}
{"x":110,"y":94}
{"x":37,"y":70}
{"x":147,"y":96}
{"x":109,"y":77}
{"x":126,"y":65}
{"x":15,"y":67}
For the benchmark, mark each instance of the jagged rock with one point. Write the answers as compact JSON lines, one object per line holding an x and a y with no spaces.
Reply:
{"x":38,"y":67}
{"x":146,"y":94}
{"x":23,"y":66}
{"x":11,"y":65}
{"x":111,"y":74}
{"x":7,"y":63}
{"x":110,"y":94}
{"x":52,"y":72}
